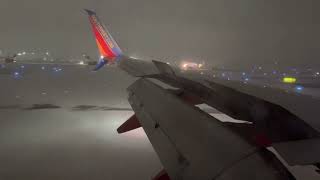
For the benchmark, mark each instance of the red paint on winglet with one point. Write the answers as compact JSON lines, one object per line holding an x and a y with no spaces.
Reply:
{"x":131,"y":124}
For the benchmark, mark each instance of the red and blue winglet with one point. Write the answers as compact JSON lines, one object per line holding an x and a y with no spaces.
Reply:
{"x":108,"y":47}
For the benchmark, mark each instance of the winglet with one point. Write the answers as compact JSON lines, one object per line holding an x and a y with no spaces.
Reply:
{"x":108,"y":47}
{"x":90,"y":12}
{"x":100,"y":64}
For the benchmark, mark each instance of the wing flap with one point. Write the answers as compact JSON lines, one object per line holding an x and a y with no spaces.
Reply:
{"x":131,"y":124}
{"x":190,"y":143}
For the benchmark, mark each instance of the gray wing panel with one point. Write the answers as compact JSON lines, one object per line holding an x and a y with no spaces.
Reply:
{"x":303,"y":106}
{"x":138,"y":68}
{"x":303,"y":152}
{"x":190,"y":143}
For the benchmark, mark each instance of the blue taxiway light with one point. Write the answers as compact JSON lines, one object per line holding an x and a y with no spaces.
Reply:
{"x":17,"y":75}
{"x":299,"y":88}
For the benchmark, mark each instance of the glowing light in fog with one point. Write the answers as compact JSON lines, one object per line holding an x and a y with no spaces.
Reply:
{"x":132,"y":57}
{"x":289,"y":80}
{"x":56,"y":69}
{"x":17,"y":75}
{"x":299,"y":88}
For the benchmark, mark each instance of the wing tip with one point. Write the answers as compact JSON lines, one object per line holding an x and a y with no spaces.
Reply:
{"x":90,"y":12}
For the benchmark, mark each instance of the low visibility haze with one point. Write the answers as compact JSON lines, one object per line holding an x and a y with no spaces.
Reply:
{"x":217,"y":31}
{"x":59,"y":121}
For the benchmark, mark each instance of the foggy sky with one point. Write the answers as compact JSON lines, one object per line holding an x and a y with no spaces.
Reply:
{"x":219,"y":31}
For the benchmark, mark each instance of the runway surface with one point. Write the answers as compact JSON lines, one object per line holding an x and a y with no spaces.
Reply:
{"x":61,"y":124}
{"x":44,"y":142}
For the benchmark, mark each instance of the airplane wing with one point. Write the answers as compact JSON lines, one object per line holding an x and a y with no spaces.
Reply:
{"x":193,"y":145}
{"x":190,"y":143}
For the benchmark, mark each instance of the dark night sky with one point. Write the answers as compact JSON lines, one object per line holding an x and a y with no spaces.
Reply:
{"x":219,"y":31}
